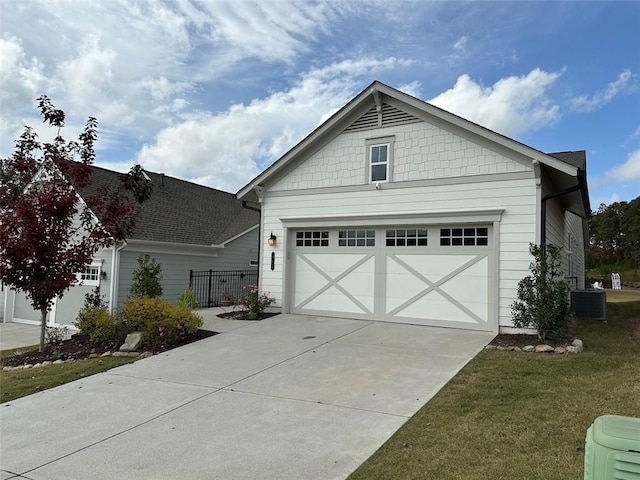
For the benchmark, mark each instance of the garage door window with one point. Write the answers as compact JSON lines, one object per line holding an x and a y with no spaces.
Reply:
{"x":312,"y":239}
{"x":356,"y":238}
{"x":475,"y":236}
{"x":406,"y":237}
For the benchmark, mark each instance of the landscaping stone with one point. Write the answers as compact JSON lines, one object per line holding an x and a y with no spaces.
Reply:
{"x":503,"y":348}
{"x":544,"y":348}
{"x":577,"y":343}
{"x":574,"y":349}
{"x":560,"y":350}
{"x":133,"y":354}
{"x":120,"y":354}
{"x":37,"y":365}
{"x":106,"y":354}
{"x":490,"y":347}
{"x":28,"y":365}
{"x":146,"y":354}
{"x":94,"y":355}
{"x":46,"y":363}
{"x":528,"y":348}
{"x":132,"y":342}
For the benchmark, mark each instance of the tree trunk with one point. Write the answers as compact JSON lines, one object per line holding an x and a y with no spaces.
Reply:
{"x":43,"y":327}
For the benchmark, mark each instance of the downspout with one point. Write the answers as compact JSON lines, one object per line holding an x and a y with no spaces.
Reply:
{"x":543,"y":211}
{"x":115,"y":272}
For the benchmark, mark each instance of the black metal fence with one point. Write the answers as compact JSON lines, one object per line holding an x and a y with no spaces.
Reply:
{"x":212,"y":287}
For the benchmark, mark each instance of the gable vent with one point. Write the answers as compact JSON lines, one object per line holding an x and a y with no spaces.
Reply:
{"x":390,"y":116}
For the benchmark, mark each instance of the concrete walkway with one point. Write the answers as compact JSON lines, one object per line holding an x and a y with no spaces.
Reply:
{"x":289,"y":397}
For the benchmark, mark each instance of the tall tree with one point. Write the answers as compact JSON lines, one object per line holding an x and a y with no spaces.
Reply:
{"x":47,"y":232}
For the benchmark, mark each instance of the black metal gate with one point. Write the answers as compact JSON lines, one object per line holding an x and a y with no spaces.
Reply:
{"x":212,"y":287}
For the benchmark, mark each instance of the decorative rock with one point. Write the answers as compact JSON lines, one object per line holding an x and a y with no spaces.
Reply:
{"x":578,"y":343}
{"x":517,"y":349}
{"x":574,"y":349}
{"x":119,"y":354}
{"x":490,"y":347}
{"x":132,"y":342}
{"x":146,"y":354}
{"x":7,"y":369}
{"x":46,"y":363}
{"x":544,"y":348}
{"x":528,"y":348}
{"x":28,"y":365}
{"x":133,"y":354}
{"x":37,"y":365}
{"x":559,"y":350}
{"x":503,"y":348}
{"x":106,"y":354}
{"x":94,"y":355}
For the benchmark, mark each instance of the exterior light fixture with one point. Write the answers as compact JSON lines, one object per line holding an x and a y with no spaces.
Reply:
{"x":272,"y":240}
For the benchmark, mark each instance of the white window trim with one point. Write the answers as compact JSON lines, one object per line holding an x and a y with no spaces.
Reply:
{"x":377,"y":142}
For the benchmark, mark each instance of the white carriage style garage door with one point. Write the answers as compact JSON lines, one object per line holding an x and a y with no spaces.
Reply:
{"x":428,"y":275}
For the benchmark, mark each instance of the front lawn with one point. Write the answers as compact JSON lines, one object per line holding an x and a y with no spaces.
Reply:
{"x":515,"y":415}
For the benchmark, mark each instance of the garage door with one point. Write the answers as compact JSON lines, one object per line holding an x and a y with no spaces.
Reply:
{"x":422,"y":275}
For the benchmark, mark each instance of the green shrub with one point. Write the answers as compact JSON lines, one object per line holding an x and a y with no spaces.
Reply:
{"x":94,"y":299}
{"x":99,"y":325}
{"x":542,"y":296}
{"x":188,"y":299}
{"x":161,"y":322}
{"x":146,"y":278}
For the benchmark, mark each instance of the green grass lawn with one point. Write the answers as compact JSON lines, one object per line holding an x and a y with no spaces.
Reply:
{"x":516,"y":415}
{"x":19,"y":383}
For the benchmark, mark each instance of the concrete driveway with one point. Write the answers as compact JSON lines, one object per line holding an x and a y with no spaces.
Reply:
{"x":289,"y":397}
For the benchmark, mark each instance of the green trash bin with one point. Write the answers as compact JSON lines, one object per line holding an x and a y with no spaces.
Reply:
{"x":612,"y":449}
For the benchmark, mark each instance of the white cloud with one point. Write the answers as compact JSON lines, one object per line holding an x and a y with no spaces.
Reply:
{"x":628,"y":171}
{"x":511,"y":106}
{"x":461,"y":43}
{"x":228,"y":149}
{"x":21,"y":79}
{"x":625,"y":82}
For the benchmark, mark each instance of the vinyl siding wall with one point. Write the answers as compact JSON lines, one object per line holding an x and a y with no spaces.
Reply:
{"x":517,"y":226}
{"x":175,"y":266}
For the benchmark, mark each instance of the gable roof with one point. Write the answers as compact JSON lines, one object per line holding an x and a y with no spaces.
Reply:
{"x":182,"y":212}
{"x":369,"y":106}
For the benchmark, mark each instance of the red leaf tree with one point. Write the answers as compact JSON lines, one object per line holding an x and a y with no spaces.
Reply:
{"x":48,"y":233}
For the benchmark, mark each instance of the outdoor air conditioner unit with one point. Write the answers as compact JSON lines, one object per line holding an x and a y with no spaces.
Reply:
{"x":612,"y":449}
{"x":590,"y":303}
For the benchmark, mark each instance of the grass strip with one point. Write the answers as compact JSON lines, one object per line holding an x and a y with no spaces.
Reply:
{"x":19,"y":383}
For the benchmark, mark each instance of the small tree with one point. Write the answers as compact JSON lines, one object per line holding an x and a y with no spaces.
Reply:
{"x":47,"y":233}
{"x":542,"y":296}
{"x":146,"y":278}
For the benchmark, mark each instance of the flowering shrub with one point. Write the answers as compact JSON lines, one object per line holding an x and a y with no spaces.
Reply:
{"x":253,"y":303}
{"x":160,"y":322}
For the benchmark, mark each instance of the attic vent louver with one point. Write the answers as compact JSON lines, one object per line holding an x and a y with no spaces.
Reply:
{"x":390,"y":116}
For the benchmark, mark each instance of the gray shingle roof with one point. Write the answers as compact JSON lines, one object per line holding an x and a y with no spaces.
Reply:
{"x":577,"y":159}
{"x":183,"y":212}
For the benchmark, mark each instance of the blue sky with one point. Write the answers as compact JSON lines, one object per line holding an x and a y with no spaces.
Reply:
{"x":214,"y":91}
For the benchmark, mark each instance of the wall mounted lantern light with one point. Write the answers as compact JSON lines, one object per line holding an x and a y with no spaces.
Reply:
{"x":272,"y":240}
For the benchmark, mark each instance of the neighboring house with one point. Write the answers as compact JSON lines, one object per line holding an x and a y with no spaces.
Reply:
{"x":183,"y":226}
{"x":396,"y":210}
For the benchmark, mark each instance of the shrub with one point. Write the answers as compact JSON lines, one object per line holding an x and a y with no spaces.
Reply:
{"x":146,"y":278}
{"x":99,"y":325}
{"x":56,"y":334}
{"x":188,"y":299}
{"x":252,"y":303}
{"x":542,"y":296}
{"x":161,"y":322}
{"x":94,"y":299}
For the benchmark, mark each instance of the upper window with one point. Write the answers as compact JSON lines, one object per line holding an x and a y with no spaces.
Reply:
{"x":312,"y":239}
{"x":379,"y":159}
{"x":379,"y":163}
{"x":464,"y":236}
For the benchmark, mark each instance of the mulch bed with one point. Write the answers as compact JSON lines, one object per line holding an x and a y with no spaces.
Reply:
{"x":80,"y":346}
{"x":520,"y":340}
{"x":238,"y":316}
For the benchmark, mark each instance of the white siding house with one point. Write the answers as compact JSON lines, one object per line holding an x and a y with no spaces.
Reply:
{"x":395,"y":210}
{"x":183,"y":226}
